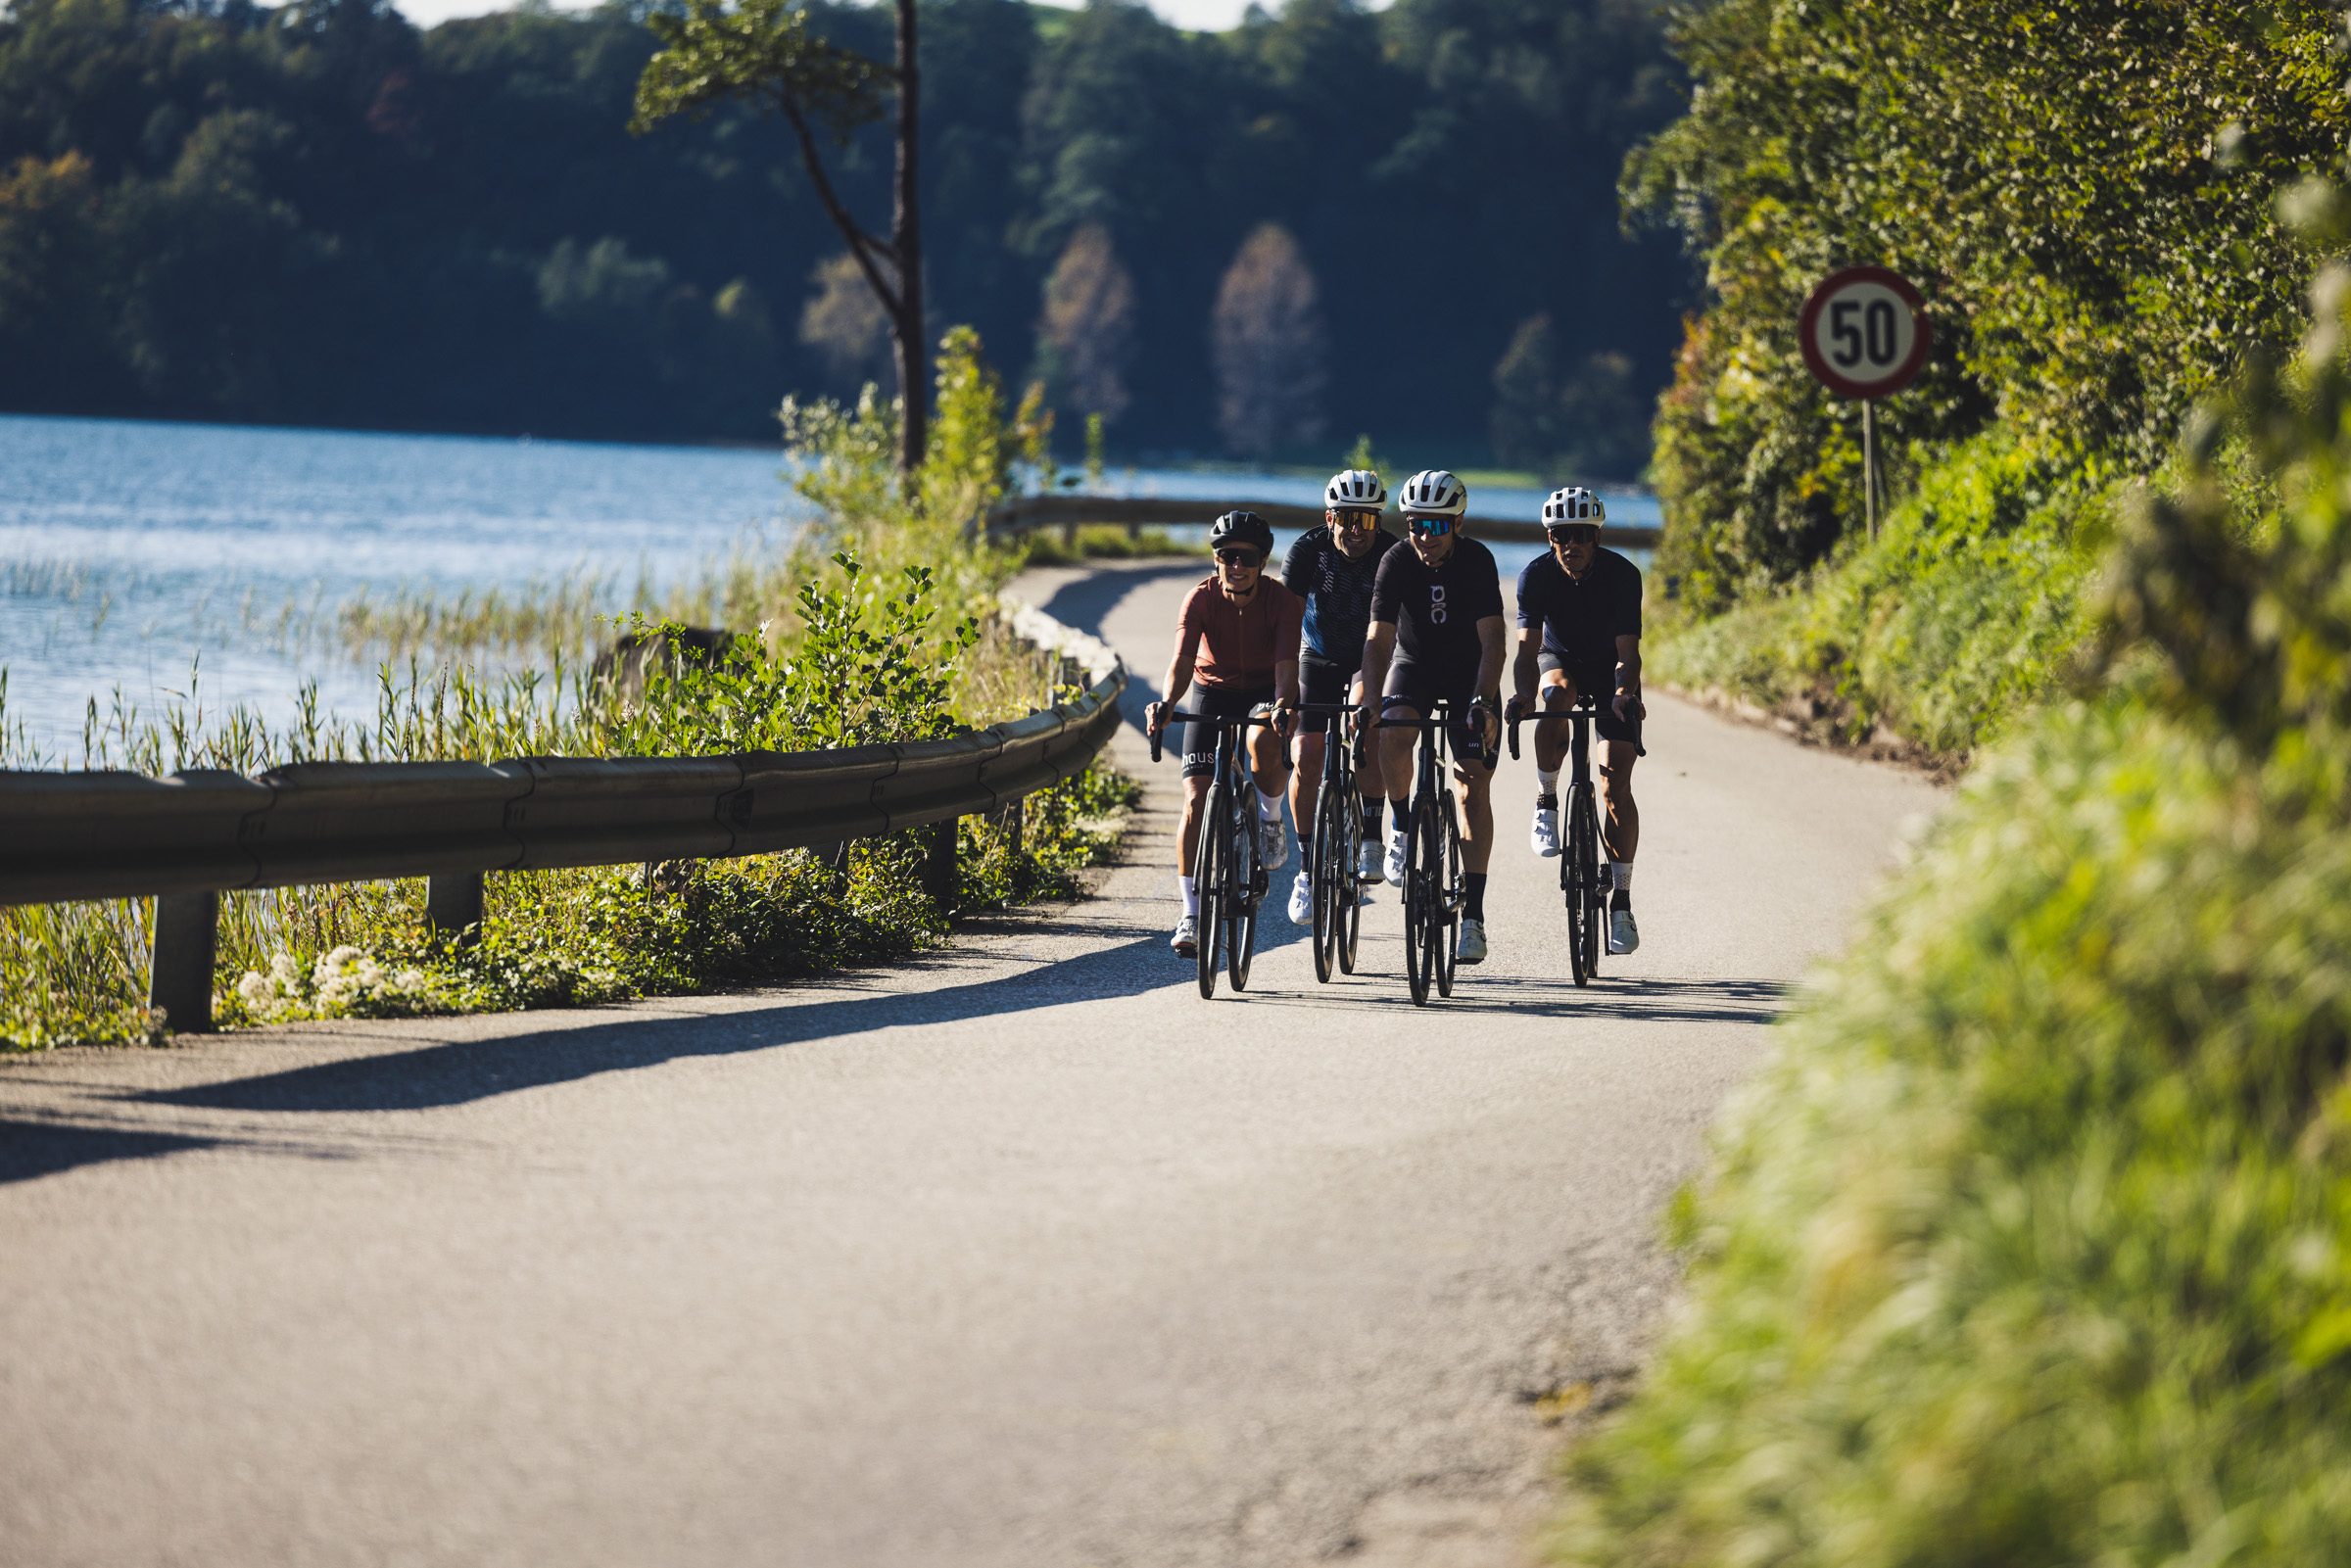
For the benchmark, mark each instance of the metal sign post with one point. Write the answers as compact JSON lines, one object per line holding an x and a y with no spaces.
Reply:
{"x":1864,"y":334}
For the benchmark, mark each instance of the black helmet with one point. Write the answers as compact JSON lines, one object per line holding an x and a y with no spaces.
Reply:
{"x":1241,"y":528}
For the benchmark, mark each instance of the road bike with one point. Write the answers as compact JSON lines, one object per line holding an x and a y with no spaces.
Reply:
{"x":1433,"y":892}
{"x":1227,"y":866}
{"x":1336,"y":841}
{"x":1582,"y":886}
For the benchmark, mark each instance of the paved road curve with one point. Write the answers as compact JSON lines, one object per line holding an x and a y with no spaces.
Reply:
{"x":1021,"y":1255}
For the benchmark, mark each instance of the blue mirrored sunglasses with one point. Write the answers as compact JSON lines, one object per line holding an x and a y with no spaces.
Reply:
{"x":1430,"y":527}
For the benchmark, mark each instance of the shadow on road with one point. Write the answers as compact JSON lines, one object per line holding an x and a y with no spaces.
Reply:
{"x":460,"y":1071}
{"x":1642,"y":1000}
{"x":38,"y":1148}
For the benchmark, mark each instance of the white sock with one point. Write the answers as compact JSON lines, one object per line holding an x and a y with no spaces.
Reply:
{"x":1269,"y":807}
{"x":1190,"y":888}
{"x":1546,"y":781}
{"x":1623,"y":872}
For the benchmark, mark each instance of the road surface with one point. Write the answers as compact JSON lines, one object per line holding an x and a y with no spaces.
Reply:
{"x":1021,"y":1255}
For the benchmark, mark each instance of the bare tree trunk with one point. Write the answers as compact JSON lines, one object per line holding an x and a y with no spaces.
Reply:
{"x":906,"y":239}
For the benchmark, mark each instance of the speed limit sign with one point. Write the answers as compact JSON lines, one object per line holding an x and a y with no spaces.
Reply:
{"x":1864,"y":332}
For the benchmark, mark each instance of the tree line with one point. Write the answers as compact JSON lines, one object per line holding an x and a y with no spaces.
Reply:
{"x":1256,"y":242}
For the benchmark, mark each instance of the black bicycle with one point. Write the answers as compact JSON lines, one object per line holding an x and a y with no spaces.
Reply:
{"x":1227,"y":866}
{"x":1433,"y":894}
{"x":1581,"y":884}
{"x":1337,"y":842}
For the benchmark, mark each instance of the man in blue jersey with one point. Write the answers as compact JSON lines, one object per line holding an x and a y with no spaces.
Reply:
{"x":1579,"y":631}
{"x":1332,"y":568}
{"x":1436,"y":608}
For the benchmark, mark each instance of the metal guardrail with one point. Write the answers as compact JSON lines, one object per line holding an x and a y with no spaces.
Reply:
{"x":187,"y":838}
{"x":1027,"y":513}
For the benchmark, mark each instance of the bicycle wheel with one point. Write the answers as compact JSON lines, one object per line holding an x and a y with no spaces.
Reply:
{"x":1248,"y":879}
{"x":1347,"y":892}
{"x":1330,"y":845}
{"x":1419,"y":958}
{"x":1448,"y":912}
{"x":1596,"y":890}
{"x":1575,"y":880}
{"x":1207,"y":875}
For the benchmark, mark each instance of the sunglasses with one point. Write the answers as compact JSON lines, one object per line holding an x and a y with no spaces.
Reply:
{"x":1355,"y":519}
{"x":1575,"y":534}
{"x":1238,"y":557}
{"x":1430,"y":527}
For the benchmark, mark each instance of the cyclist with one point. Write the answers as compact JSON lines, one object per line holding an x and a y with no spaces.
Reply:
{"x":1238,"y":636}
{"x":1436,"y":608}
{"x":1579,"y":628}
{"x":1332,"y":568}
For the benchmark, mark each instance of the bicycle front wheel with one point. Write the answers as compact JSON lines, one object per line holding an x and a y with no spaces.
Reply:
{"x":1348,"y":893}
{"x":1207,"y":875}
{"x":1331,"y":859}
{"x":1576,"y":873}
{"x":1448,"y":908}
{"x":1248,"y":886}
{"x":1596,"y":891}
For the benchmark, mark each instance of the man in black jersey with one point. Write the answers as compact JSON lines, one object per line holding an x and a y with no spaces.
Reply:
{"x":1579,"y":631}
{"x":1436,"y":608}
{"x":1332,"y":568}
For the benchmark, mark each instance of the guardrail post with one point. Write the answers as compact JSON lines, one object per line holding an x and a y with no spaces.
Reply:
{"x":453,"y":902}
{"x":187,"y":934}
{"x":939,"y":878}
{"x":1010,"y":818}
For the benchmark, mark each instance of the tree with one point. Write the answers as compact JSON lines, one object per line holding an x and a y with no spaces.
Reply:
{"x":843,"y":322}
{"x":764,"y":52}
{"x":1087,"y":328}
{"x":1268,"y":343}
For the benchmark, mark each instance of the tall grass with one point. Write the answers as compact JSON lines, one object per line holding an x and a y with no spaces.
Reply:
{"x":884,"y":598}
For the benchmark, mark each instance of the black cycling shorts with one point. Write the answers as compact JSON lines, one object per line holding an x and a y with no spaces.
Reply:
{"x":1223,"y":703}
{"x":1320,"y":681}
{"x":1598,"y":681}
{"x":1411,"y":685}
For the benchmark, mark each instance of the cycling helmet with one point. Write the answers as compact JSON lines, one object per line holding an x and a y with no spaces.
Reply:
{"x":1357,"y":489}
{"x":1436,"y":492}
{"x":1574,"y":504}
{"x":1241,"y":528}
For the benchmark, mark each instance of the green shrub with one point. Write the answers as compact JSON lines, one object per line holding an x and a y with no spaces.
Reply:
{"x":2034,"y":1243}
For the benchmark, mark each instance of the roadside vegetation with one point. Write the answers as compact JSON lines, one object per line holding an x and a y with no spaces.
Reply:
{"x":885,"y":596}
{"x":2032,"y":1242}
{"x":2087,"y":197}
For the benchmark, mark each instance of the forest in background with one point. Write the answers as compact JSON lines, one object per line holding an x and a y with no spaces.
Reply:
{"x":1255,"y":244}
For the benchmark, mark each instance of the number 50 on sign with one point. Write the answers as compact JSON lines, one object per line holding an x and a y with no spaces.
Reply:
{"x":1864,"y":332}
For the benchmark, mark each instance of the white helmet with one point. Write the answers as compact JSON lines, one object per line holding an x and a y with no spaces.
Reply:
{"x":1574,"y":504}
{"x":1358,"y":489}
{"x":1436,"y":492}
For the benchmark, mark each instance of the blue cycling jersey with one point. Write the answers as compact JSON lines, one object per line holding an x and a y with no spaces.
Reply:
{"x":1337,"y":589}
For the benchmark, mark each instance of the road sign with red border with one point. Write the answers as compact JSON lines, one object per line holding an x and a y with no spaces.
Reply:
{"x":1864,"y":332}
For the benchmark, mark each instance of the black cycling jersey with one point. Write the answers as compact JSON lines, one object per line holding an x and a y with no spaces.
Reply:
{"x":1435,"y":612}
{"x":1581,"y":620}
{"x":1337,"y":589}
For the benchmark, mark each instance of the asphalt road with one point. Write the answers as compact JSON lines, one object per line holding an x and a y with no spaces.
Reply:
{"x":1021,"y":1255}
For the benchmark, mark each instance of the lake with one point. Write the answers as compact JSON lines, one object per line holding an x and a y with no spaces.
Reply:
{"x":133,"y":553}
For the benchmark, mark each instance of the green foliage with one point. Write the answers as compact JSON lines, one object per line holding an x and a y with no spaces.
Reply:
{"x":2033,"y":1244}
{"x":1964,"y":610}
{"x":717,"y":51}
{"x":2081,"y":190}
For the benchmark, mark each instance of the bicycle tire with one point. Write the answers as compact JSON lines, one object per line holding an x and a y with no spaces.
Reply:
{"x":1329,"y":842}
{"x":1596,"y":893}
{"x":1208,"y":869}
{"x":1449,"y":910}
{"x":1575,"y":876}
{"x":1419,"y":959}
{"x":1248,"y":878}
{"x":1350,"y":891}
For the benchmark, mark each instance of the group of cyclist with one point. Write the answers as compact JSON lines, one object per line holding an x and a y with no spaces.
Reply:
{"x":1398,"y":627}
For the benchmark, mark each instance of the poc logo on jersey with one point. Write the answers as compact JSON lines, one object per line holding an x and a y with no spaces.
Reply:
{"x":1436,"y":603}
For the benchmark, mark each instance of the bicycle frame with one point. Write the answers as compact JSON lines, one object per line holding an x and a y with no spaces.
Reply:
{"x":1433,"y":891}
{"x":1227,"y":869}
{"x":1331,"y":842}
{"x":1580,"y":881}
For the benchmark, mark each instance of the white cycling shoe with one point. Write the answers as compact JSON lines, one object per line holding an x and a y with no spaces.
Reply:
{"x":1543,"y":837}
{"x":1273,"y":845}
{"x":1186,"y":940}
{"x":1398,"y":845}
{"x":1302,"y":901}
{"x":1623,"y":935}
{"x":1470,"y":946}
{"x":1367,"y":861}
